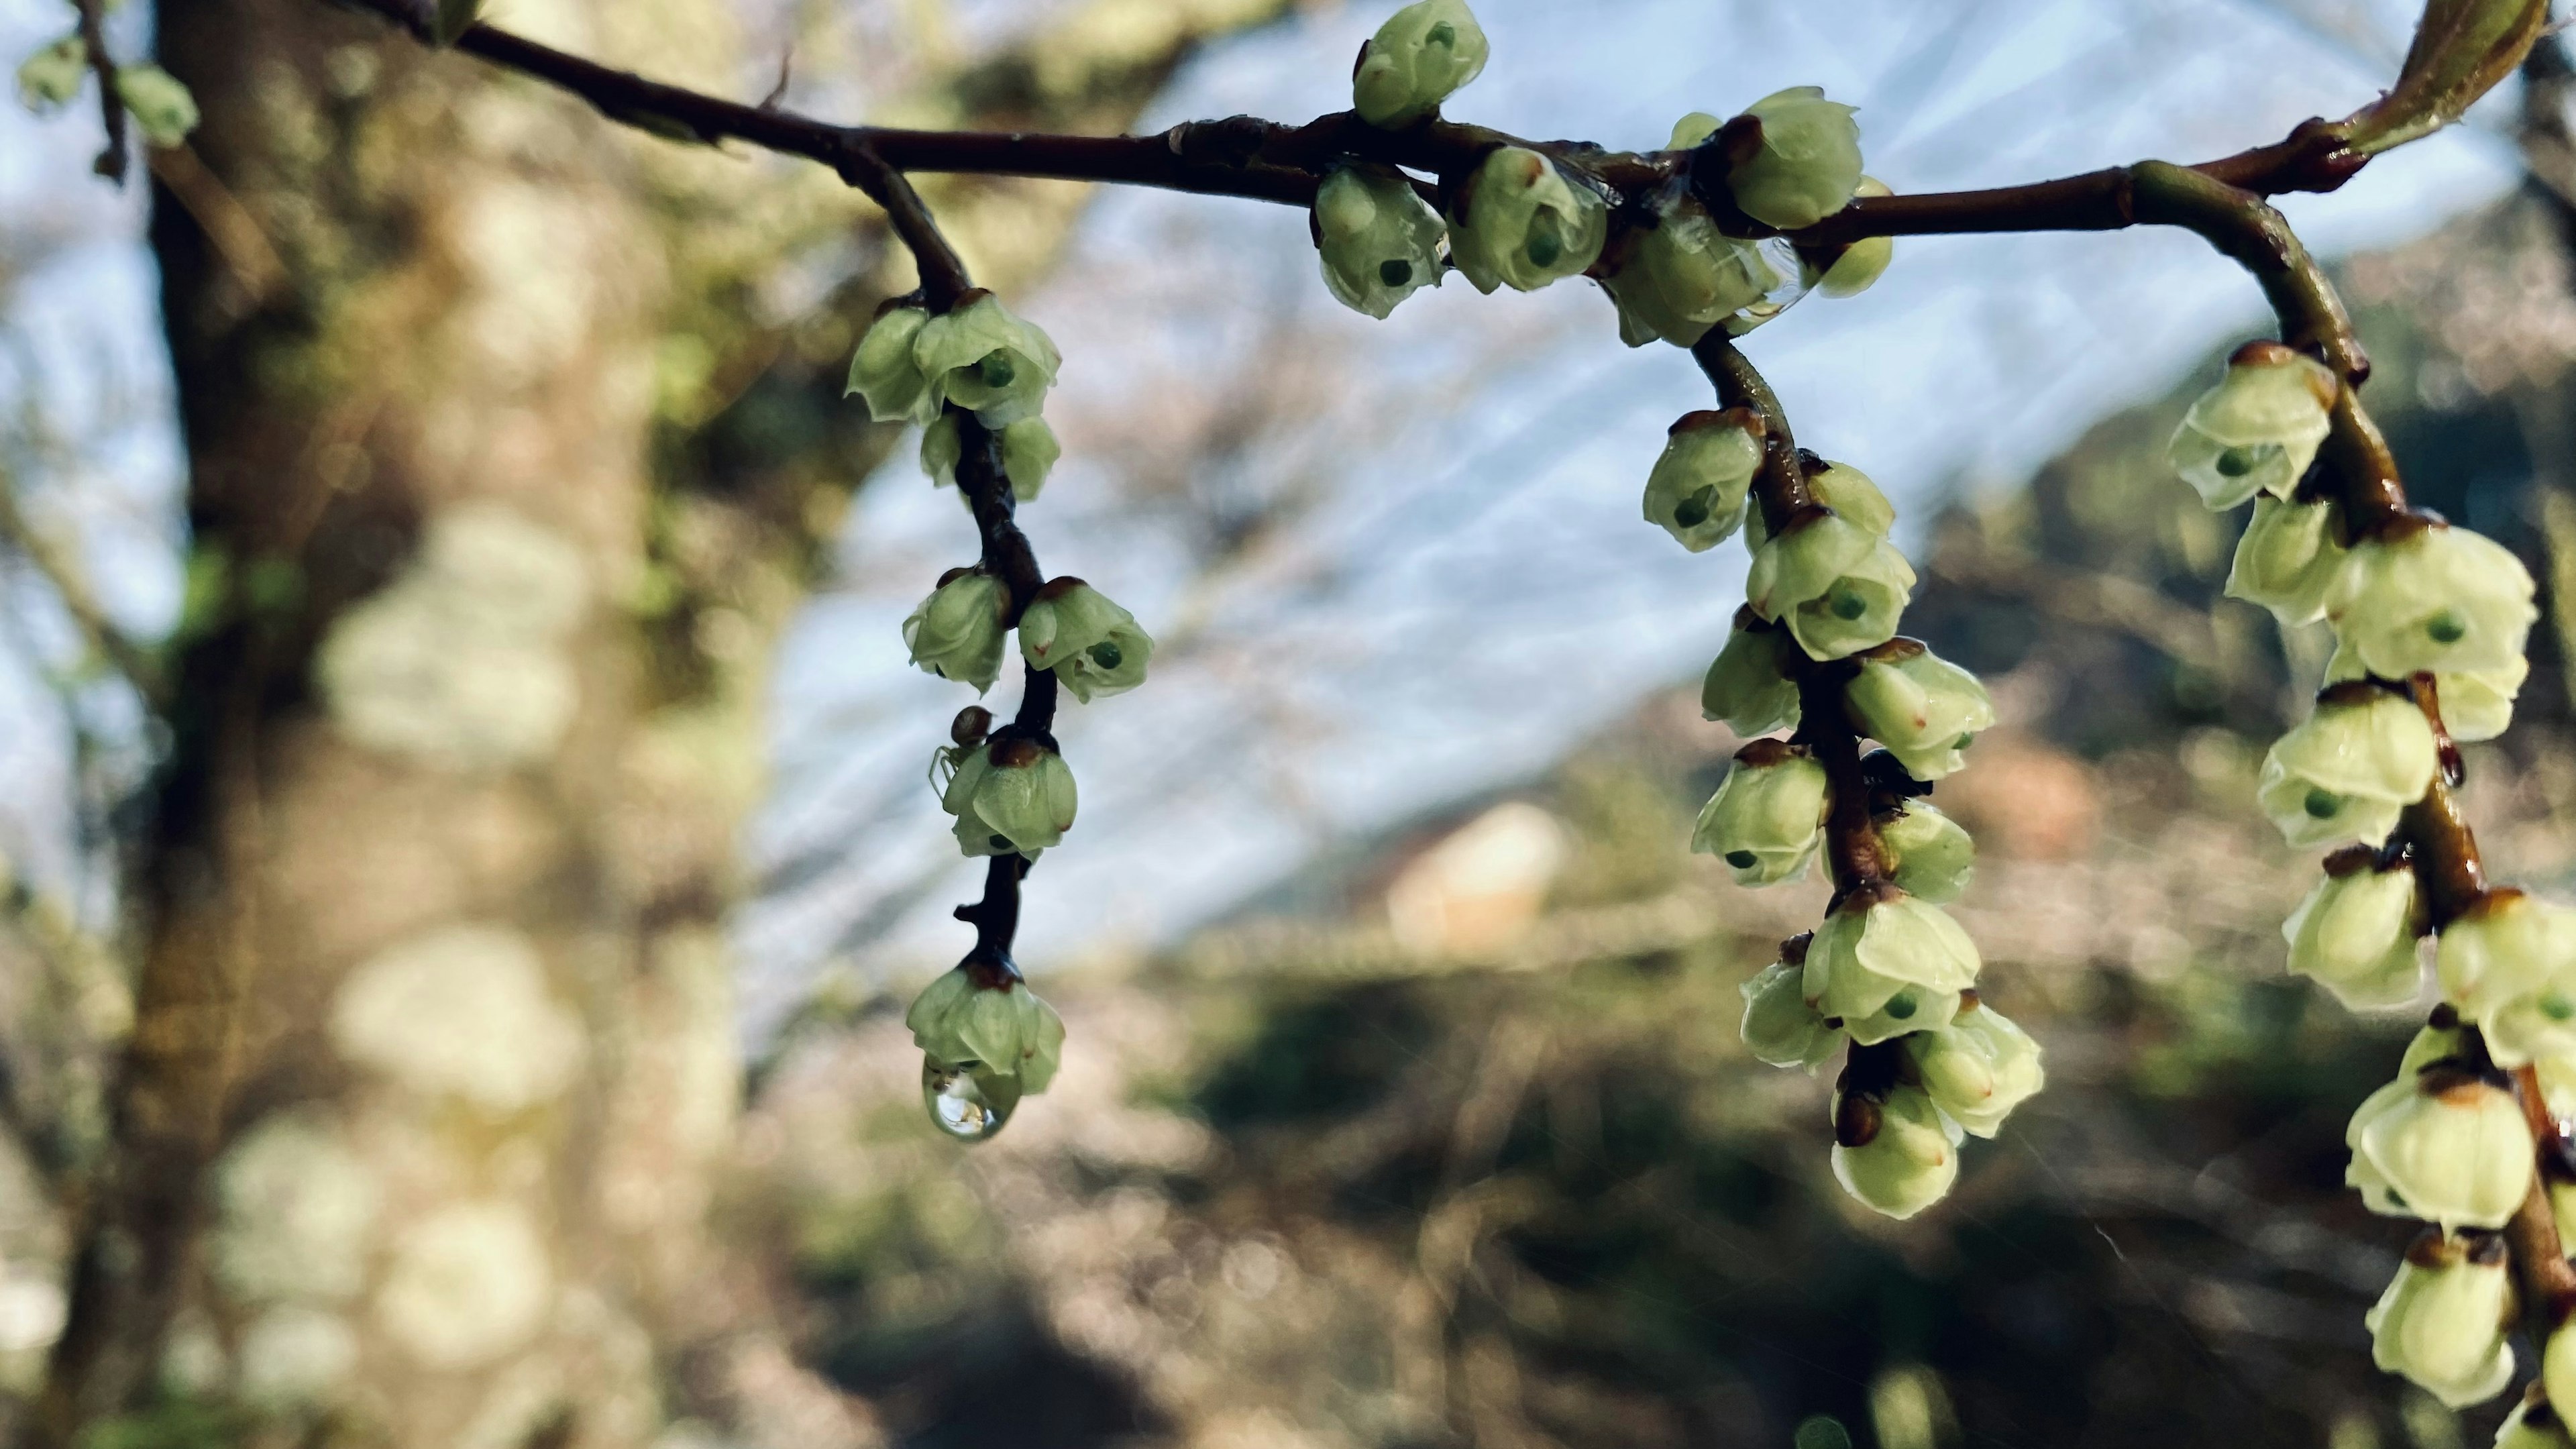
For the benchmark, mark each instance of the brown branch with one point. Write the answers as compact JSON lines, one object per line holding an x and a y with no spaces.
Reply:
{"x":111,"y":106}
{"x":2548,"y":1279}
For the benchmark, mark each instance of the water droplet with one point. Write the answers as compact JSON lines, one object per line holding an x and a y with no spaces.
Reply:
{"x":2323,"y":804}
{"x":1848,"y":605}
{"x":996,"y":369}
{"x":2446,"y":628}
{"x":1395,"y":271}
{"x":1106,"y":654}
{"x":965,"y":1101}
{"x":1742,"y":859}
{"x":2237,"y":462}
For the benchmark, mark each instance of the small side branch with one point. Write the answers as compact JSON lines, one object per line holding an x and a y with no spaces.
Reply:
{"x":111,"y":105}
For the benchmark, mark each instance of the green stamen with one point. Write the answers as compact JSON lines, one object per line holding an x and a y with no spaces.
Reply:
{"x":2237,"y":462}
{"x":1694,"y":510}
{"x":2557,"y":1007}
{"x":1902,"y":1006}
{"x":1742,"y":859}
{"x":1443,"y":33}
{"x":2446,"y":628}
{"x":1546,"y":240}
{"x":2323,"y":804}
{"x":1847,"y":604}
{"x":1106,"y":654}
{"x":1395,"y":272}
{"x":996,"y":369}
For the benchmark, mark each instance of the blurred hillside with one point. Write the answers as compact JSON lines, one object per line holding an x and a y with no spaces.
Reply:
{"x":1454,"y":1142}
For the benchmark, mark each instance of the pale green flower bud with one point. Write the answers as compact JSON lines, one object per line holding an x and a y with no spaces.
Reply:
{"x":2437,"y":599}
{"x":1521,"y":224}
{"x":2355,"y":934}
{"x":1847,"y":491}
{"x":983,"y":358}
{"x":1747,"y":685}
{"x":1765,"y":819}
{"x":961,"y":1021}
{"x":1808,"y":165}
{"x":957,"y":632}
{"x":1935,"y":858}
{"x":1924,"y":708}
{"x":50,"y":78}
{"x":2287,"y":560}
{"x":1683,"y":276}
{"x":1780,"y":1028}
{"x":1014,"y":795}
{"x":1692,"y":130}
{"x":2444,"y":1145}
{"x":2475,"y":705}
{"x":1839,"y":587}
{"x":2258,"y":430}
{"x":2508,"y":964}
{"x":1888,"y":964}
{"x":1029,"y":451}
{"x":882,"y":370}
{"x":2350,"y":769}
{"x":1697,"y":489}
{"x":1979,"y":1067}
{"x":1094,"y":646}
{"x":2534,"y":1424}
{"x":1897,"y":1154}
{"x":1379,"y":239}
{"x":2442,"y":1321}
{"x":1422,"y":54}
{"x":162,"y":108}
{"x":1864,"y":261}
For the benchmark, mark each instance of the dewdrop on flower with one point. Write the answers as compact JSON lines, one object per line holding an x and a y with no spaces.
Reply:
{"x":1780,"y":1028}
{"x":1895,"y":1152}
{"x":1934,"y":857}
{"x":1029,"y":453}
{"x":1838,"y":587}
{"x":1766,"y":819}
{"x":2508,"y":964}
{"x":1807,"y":166}
{"x":1887,"y":964}
{"x":2257,"y":431}
{"x":1864,"y":261}
{"x":883,"y":373}
{"x":1697,"y":488}
{"x":956,"y":633}
{"x":2287,"y":560}
{"x":959,"y":1021}
{"x":1013,"y":796}
{"x":2442,"y":1321}
{"x":2445,"y":1145}
{"x":1924,"y":708}
{"x":1522,"y":224}
{"x":2433,"y":598}
{"x":983,"y":358}
{"x":1094,"y":646}
{"x":1682,"y":276}
{"x":1979,"y":1067}
{"x":1378,"y":239}
{"x":2355,"y":934}
{"x":1747,"y":685}
{"x":2350,"y":769}
{"x":1422,"y":54}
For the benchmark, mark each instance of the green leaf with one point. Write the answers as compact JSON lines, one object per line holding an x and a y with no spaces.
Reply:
{"x":2462,"y":49}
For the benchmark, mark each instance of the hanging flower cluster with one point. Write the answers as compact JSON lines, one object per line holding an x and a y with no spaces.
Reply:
{"x":974,"y":376}
{"x":2429,"y":623}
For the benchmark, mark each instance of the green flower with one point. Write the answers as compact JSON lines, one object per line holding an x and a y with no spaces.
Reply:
{"x":957,"y":632}
{"x":160,"y":104}
{"x":1005,"y":1030}
{"x":2534,"y":1423}
{"x":1012,"y":796}
{"x":2355,"y":934}
{"x":1979,"y":1067}
{"x":1682,"y":276}
{"x":49,"y":79}
{"x":1521,"y":224}
{"x":1379,"y":239}
{"x":1895,"y":1152}
{"x":1848,"y":492}
{"x":2476,"y":704}
{"x":1808,"y":165}
{"x":1864,"y":261}
{"x":1838,"y":587}
{"x":1422,"y":54}
{"x":1764,"y":819}
{"x":2438,"y":599}
{"x":2443,"y":1146}
{"x":983,"y":358}
{"x":1029,"y":453}
{"x":2287,"y":560}
{"x":1934,"y":858}
{"x":1094,"y":646}
{"x":2442,"y":1321}
{"x":1924,"y":708}
{"x":1885,"y":966}
{"x":2349,"y":770}
{"x":2508,"y":964}
{"x":1780,"y":1028}
{"x":1697,"y":488}
{"x":1747,"y":686}
{"x":2257,"y":431}
{"x":883,"y":373}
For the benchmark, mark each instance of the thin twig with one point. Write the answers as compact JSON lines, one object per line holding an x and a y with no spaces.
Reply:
{"x":111,"y":105}
{"x":71,"y":586}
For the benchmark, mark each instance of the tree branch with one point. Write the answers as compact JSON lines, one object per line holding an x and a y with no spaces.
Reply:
{"x":111,"y":105}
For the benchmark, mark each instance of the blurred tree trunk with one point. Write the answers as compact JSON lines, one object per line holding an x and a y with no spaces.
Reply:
{"x":434,"y":1064}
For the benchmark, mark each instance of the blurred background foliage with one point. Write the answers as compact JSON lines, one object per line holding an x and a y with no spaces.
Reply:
{"x":1447,"y":1138}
